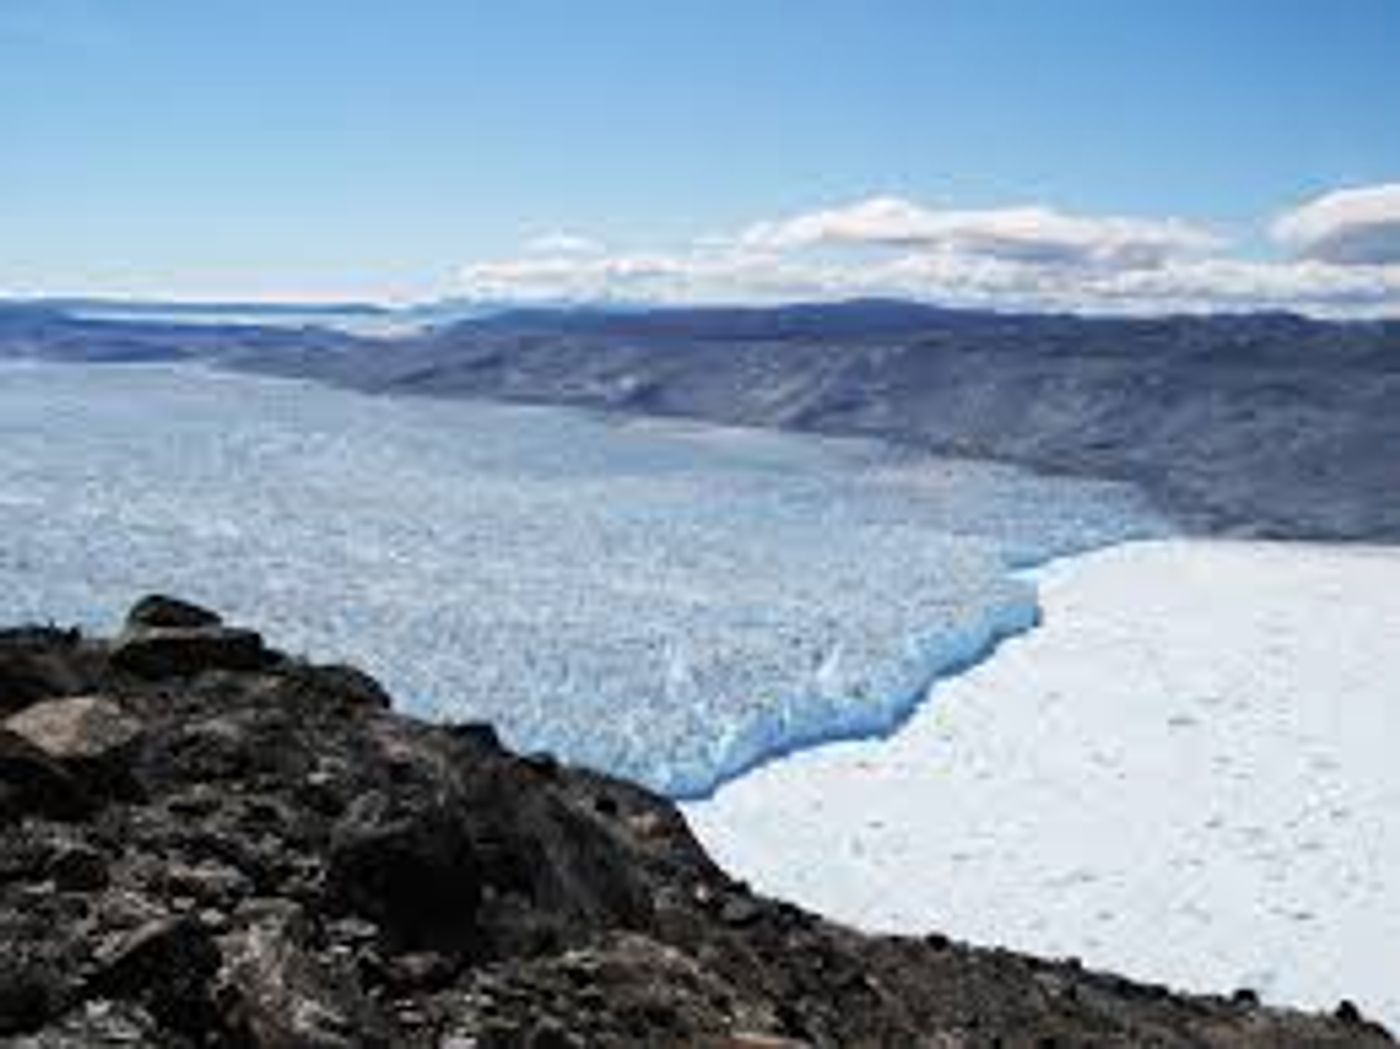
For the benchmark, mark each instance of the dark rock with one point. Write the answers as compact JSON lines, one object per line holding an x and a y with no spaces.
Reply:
{"x":349,"y":684}
{"x":167,"y":965}
{"x":36,"y":664}
{"x":209,"y":883}
{"x":32,"y":783}
{"x":542,"y":763}
{"x":278,"y":993}
{"x":482,"y":733}
{"x":77,"y":867}
{"x":157,"y":610}
{"x":738,"y":911}
{"x":410,"y":868}
{"x":195,"y":752}
{"x":419,"y":971}
{"x":551,"y":1034}
{"x":100,"y":1022}
{"x":576,"y":871}
{"x":32,"y":992}
{"x":165,"y":652}
{"x":623,"y":990}
{"x":353,"y":931}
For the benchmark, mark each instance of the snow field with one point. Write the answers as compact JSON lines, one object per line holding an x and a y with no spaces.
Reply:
{"x":1187,"y":774}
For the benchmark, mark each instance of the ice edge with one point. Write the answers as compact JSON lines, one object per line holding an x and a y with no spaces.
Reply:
{"x":982,"y":644}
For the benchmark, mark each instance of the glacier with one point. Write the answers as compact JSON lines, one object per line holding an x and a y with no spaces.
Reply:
{"x":671,"y":602}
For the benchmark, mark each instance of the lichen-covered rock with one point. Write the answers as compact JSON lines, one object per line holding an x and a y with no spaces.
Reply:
{"x":274,"y":859}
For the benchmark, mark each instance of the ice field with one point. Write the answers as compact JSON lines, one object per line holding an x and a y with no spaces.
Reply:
{"x":670,"y":602}
{"x":1187,"y":774}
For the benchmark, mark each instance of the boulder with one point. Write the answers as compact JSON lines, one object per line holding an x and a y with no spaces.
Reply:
{"x":98,"y":1022}
{"x":410,"y":867}
{"x":34,"y":666}
{"x":278,"y":993}
{"x":32,"y":783}
{"x":209,"y":883}
{"x":167,"y":965}
{"x":207,"y":751}
{"x":335,"y":683}
{"x":158,"y":610}
{"x":161,"y":652}
{"x":31,"y":992}
{"x":76,"y":866}
{"x":90,"y":736}
{"x":80,"y":729}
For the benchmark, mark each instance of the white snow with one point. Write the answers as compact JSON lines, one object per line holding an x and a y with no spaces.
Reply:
{"x":1190,"y":773}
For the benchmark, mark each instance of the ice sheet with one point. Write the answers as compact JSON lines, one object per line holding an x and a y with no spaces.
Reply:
{"x":672,"y":603}
{"x":1187,"y":774}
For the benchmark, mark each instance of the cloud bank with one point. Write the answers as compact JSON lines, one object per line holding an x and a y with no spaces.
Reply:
{"x":1031,"y":234}
{"x":562,"y":243}
{"x":1350,"y":227}
{"x":1344,"y":260}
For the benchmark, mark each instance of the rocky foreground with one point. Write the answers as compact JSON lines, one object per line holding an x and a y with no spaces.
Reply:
{"x":208,"y":843}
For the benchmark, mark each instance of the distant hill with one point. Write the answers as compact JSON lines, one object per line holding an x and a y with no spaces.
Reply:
{"x":859,"y":318}
{"x":163,"y":308}
{"x":42,"y":331}
{"x":1260,"y":424}
{"x":355,"y":316}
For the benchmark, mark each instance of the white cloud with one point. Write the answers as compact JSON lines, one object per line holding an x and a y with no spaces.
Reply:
{"x":1307,"y":286}
{"x":698,"y":275}
{"x":1013,"y":258}
{"x":1019,"y":234}
{"x":1349,"y":227}
{"x":563,"y":243}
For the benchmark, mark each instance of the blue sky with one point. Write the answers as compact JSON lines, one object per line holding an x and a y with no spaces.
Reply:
{"x":327,"y":148}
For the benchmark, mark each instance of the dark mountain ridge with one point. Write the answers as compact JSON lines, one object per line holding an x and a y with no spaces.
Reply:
{"x":164,"y":308}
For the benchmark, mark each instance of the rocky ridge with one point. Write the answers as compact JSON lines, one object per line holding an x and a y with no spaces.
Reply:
{"x":205,"y":842}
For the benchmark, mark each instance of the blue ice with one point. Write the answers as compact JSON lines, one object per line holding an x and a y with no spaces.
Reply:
{"x":665,"y":601}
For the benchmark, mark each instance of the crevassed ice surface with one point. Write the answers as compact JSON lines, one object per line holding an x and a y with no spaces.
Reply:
{"x":668,"y":602}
